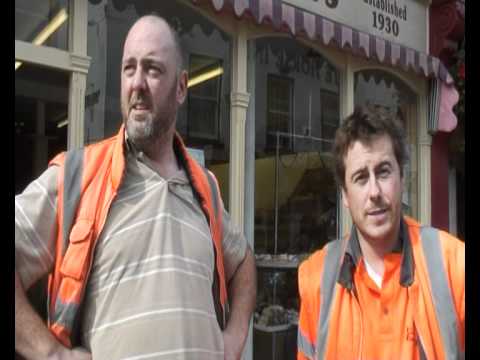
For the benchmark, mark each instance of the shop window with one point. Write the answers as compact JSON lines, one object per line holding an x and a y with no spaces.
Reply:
{"x":41,"y":110}
{"x":330,"y":117}
{"x":279,"y":112}
{"x":42,"y":23}
{"x":295,"y":208}
{"x":204,"y":94}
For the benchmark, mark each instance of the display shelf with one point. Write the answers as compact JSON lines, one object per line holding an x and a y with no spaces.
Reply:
{"x":278,"y":264}
{"x":273,"y":328}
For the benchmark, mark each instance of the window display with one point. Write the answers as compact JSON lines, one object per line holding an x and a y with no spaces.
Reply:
{"x":296,"y":115}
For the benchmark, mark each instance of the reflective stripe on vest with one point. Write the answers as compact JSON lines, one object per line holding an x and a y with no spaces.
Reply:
{"x":441,"y":294}
{"x":64,"y":314}
{"x":304,"y":345}
{"x":71,"y":190}
{"x":333,"y":259}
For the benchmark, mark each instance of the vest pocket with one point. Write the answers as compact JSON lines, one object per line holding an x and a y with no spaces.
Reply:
{"x":74,"y":262}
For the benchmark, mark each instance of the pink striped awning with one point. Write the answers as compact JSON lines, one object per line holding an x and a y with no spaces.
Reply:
{"x":286,"y":18}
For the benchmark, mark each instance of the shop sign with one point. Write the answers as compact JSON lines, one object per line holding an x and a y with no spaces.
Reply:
{"x":404,"y":22}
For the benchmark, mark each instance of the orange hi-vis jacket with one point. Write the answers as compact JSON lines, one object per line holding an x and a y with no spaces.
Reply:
{"x":430,"y":277}
{"x":88,"y":182}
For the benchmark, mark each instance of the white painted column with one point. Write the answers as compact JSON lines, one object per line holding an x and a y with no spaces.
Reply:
{"x":249,"y":195}
{"x":424,"y":163}
{"x":76,"y":110}
{"x":239,"y":99}
{"x":78,"y":79}
{"x":347,"y":104}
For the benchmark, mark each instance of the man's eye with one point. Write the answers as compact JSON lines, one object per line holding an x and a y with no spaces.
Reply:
{"x":128,"y":69}
{"x":360,"y":179}
{"x":384,"y":173}
{"x":155,"y":70}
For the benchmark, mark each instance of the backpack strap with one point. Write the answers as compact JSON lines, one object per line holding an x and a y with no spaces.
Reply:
{"x":441,"y":294}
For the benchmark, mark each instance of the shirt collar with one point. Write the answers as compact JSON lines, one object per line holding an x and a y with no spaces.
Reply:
{"x":353,"y":254}
{"x":133,"y":152}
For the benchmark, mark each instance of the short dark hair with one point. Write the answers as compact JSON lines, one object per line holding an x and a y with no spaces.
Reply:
{"x":365,"y":124}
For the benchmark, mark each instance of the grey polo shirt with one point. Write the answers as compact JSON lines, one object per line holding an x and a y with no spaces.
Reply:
{"x":149,"y":294}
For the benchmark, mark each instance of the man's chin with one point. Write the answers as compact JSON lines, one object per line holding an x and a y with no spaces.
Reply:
{"x":139,"y":132}
{"x":381,"y":234}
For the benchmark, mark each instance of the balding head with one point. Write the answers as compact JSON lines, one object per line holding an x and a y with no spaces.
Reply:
{"x":157,"y":24}
{"x":153,"y":84}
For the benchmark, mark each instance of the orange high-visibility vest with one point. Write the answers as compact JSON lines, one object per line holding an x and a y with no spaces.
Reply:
{"x":437,"y":291}
{"x":88,"y":182}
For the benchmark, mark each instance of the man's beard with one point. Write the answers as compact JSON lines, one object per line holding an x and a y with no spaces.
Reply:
{"x":144,"y":129}
{"x":143,"y":132}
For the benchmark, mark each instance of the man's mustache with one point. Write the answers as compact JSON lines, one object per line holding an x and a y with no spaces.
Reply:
{"x":139,"y":99}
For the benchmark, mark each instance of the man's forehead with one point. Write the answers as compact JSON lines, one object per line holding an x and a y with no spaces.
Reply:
{"x":373,"y":144}
{"x":378,"y":148}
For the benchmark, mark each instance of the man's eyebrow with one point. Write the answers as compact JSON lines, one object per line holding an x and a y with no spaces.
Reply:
{"x":128,"y":60}
{"x":384,"y":163}
{"x":151,"y":60}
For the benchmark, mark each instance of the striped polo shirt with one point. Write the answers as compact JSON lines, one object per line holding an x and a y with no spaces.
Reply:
{"x":149,"y":294}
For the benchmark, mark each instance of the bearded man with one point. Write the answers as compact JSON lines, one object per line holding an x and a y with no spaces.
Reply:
{"x":143,"y":260}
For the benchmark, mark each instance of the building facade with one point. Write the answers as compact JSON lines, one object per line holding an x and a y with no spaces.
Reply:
{"x":269,"y":83}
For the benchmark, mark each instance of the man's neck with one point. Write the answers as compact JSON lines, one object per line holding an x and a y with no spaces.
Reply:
{"x":374,"y":250}
{"x":162,"y":155}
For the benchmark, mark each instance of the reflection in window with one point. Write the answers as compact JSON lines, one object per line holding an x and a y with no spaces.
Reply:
{"x":204,"y":92}
{"x":330,"y":116}
{"x":42,"y":22}
{"x":296,"y":102}
{"x":41,"y":97}
{"x":279,"y":111}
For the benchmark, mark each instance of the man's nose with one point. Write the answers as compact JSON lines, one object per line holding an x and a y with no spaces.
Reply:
{"x":138,"y":81}
{"x":374,"y":188}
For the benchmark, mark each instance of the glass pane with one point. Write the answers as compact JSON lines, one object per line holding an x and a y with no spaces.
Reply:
{"x":296,"y":115}
{"x":381,"y":89}
{"x":41,"y":108}
{"x":204,"y":96}
{"x":203,"y":120}
{"x":42,"y":22}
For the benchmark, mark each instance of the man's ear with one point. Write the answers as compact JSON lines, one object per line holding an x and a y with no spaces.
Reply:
{"x":344,"y":198}
{"x":182,"y":87}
